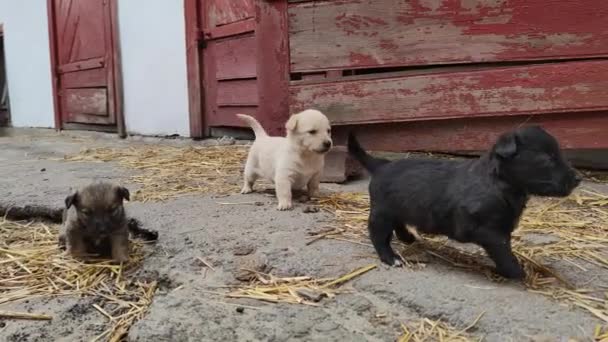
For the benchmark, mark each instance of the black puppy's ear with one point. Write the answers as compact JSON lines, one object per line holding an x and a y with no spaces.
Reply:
{"x":506,"y":146}
{"x":124,"y":193}
{"x":71,"y":200}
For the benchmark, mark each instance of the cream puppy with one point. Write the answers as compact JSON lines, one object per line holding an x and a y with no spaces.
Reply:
{"x":292,"y":162}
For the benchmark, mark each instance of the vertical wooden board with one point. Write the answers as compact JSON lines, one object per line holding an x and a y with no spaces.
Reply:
{"x":90,"y":101}
{"x":370,"y":33}
{"x":194,"y":60}
{"x":222,"y":12}
{"x":543,"y":88}
{"x":235,"y":57}
{"x":272,"y":42}
{"x":237,"y":92}
{"x":573,"y":131}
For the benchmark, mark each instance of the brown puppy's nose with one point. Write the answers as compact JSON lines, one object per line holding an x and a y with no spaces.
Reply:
{"x":327,"y":144}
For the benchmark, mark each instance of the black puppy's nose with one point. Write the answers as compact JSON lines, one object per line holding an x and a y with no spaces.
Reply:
{"x":577,"y":179}
{"x":327,"y":144}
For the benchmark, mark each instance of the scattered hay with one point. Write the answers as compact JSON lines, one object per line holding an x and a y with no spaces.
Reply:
{"x":32,"y":266}
{"x":577,"y":225}
{"x":428,"y":330}
{"x":294,"y":290}
{"x":577,"y":228}
{"x":168,"y":172}
{"x":600,"y":334}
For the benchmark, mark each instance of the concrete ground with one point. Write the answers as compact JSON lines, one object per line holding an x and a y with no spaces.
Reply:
{"x":185,"y":307}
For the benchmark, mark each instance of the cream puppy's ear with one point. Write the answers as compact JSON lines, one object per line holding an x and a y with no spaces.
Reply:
{"x":292,"y":123}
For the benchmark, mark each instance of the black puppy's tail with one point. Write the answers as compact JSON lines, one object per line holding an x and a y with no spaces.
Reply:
{"x":371,"y":164}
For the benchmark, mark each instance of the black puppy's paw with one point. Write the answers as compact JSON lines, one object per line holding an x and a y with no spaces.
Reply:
{"x":515,"y":273}
{"x":391,"y":261}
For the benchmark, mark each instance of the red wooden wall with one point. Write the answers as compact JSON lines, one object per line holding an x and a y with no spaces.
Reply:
{"x":452,"y":74}
{"x":440,"y":75}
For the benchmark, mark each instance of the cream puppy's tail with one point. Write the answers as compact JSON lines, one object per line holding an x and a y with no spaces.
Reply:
{"x":254,"y":124}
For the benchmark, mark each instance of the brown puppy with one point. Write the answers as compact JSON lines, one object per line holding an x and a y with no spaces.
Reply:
{"x":95,"y":224}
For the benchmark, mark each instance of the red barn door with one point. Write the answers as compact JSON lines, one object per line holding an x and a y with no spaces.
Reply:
{"x":84,"y":63}
{"x":221,"y":62}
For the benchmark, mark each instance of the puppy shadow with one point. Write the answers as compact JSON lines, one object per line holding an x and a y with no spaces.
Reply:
{"x":298,"y":196}
{"x":440,"y":251}
{"x":472,"y":260}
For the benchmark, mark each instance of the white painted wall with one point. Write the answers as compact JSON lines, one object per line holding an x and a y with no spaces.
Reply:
{"x":28,"y":62}
{"x":153,"y":49}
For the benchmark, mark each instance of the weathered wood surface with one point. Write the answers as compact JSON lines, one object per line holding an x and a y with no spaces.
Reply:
{"x":222,"y":12}
{"x":537,"y":89}
{"x":272,"y":43}
{"x":88,"y":101}
{"x":370,"y":33}
{"x":235,"y":57}
{"x":573,"y":130}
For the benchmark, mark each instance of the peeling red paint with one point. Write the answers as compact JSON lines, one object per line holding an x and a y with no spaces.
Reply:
{"x":357,"y":59}
{"x":566,"y":87}
{"x":446,"y":31}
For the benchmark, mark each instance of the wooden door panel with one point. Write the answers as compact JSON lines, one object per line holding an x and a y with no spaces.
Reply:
{"x":84,"y":61}
{"x":235,"y":58}
{"x":229,"y":61}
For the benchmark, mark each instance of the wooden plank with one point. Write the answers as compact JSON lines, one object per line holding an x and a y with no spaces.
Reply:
{"x":543,"y":88}
{"x":235,"y":58}
{"x":371,"y":33}
{"x":237,"y":92}
{"x":117,"y":86}
{"x":222,"y":12}
{"x":233,"y":29}
{"x":86,"y":119}
{"x":85,"y":79}
{"x":573,"y":130}
{"x":91,"y":101}
{"x":50,"y":8}
{"x":272,"y":43}
{"x":93,"y":63}
{"x":194,"y":69}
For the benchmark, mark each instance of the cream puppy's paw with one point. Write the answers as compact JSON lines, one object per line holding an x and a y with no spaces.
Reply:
{"x":285,"y":206}
{"x":246,"y":190}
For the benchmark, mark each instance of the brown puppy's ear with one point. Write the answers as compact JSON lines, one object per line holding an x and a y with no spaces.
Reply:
{"x":506,"y":146}
{"x":72,"y":200}
{"x":123,"y":193}
{"x":292,"y":123}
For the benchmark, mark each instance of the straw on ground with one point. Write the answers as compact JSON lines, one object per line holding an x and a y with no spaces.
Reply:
{"x":294,"y":290}
{"x":576,"y":228}
{"x":32,"y":266}
{"x":428,"y":330}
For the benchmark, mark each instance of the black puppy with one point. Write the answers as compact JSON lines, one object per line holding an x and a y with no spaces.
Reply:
{"x":478,"y":201}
